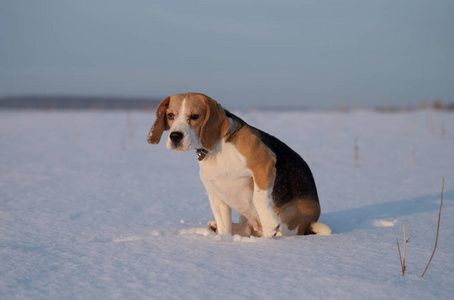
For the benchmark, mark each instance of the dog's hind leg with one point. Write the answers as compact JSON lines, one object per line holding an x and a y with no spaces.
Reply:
{"x":243,"y":228}
{"x":298,"y":216}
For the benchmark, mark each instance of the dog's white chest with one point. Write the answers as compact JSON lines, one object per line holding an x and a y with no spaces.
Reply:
{"x":227,"y":164}
{"x":226,"y":175}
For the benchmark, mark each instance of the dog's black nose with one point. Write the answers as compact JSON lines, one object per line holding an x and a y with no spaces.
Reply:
{"x":176,"y":136}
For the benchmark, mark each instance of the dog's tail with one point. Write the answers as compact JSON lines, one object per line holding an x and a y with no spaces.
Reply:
{"x":320,"y":228}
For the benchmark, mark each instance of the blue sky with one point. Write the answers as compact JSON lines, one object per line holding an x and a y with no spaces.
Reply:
{"x":242,"y":53}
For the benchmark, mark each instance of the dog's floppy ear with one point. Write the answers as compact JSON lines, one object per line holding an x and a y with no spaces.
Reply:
{"x":154,"y":136}
{"x":214,"y":126}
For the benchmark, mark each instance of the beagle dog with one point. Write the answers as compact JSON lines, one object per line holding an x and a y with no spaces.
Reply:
{"x":242,"y":168}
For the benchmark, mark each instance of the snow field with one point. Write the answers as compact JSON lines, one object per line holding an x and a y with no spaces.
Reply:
{"x":89,"y":210}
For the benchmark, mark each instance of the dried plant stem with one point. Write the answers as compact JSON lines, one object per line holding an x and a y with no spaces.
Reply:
{"x":400,"y":256}
{"x":404,"y":267}
{"x":438,"y":228}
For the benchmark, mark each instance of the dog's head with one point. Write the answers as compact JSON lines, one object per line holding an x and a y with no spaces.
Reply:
{"x":194,"y":121}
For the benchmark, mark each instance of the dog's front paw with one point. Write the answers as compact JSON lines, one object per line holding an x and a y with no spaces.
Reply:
{"x":271,"y":231}
{"x":213,"y":226}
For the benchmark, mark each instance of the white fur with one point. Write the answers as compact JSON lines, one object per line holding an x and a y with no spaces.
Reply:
{"x":285,"y":231}
{"x":320,"y":228}
{"x":317,"y":228}
{"x":181,"y":124}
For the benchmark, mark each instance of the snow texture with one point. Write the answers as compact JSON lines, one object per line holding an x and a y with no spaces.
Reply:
{"x":89,"y":210}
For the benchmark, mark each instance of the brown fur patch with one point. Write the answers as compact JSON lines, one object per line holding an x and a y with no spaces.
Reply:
{"x":155,"y":133}
{"x":215,"y":124}
{"x":259,"y":158}
{"x":299,"y":214}
{"x":175,"y":105}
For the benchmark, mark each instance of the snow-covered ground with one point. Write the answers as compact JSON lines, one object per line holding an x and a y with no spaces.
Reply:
{"x":89,"y":210}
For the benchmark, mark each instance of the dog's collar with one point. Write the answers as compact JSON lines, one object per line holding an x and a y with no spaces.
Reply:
{"x":201,"y":153}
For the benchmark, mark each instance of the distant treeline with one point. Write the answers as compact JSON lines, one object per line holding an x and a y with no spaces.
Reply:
{"x":134,"y":103}
{"x":437,"y":105}
{"x":78,"y":102}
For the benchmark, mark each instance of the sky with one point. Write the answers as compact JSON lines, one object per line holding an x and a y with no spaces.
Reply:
{"x":294,"y":53}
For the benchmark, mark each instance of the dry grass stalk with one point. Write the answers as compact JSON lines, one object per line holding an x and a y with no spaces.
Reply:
{"x":402,"y":259}
{"x":400,"y":256}
{"x":438,"y":228}
{"x":405,"y":251}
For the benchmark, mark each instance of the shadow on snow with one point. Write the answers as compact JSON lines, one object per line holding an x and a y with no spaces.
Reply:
{"x":366,"y":217}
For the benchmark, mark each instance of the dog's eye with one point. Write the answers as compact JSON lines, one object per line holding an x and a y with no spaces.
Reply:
{"x":170,"y":116}
{"x":194,"y":116}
